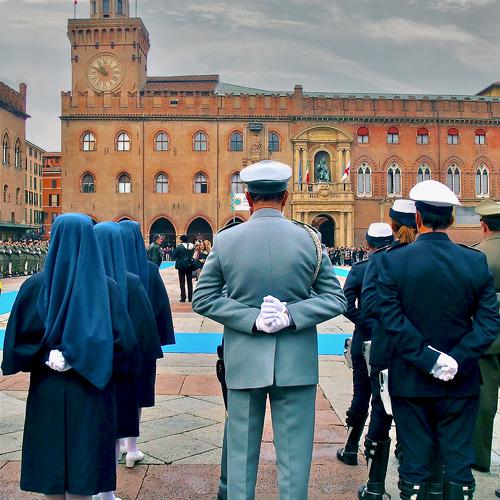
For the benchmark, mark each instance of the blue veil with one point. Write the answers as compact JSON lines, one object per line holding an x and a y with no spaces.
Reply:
{"x":109,"y":237}
{"x":74,"y":300}
{"x":136,"y":258}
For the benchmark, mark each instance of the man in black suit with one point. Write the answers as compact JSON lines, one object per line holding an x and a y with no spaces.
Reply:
{"x":183,"y":256}
{"x":439,"y":306}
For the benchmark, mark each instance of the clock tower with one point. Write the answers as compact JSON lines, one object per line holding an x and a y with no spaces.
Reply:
{"x":108,"y":50}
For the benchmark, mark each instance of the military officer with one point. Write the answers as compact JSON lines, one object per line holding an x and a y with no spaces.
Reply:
{"x":439,"y":307}
{"x":24,"y":257}
{"x":16,"y":259}
{"x":489,"y":363}
{"x":8,"y":258}
{"x":274,"y":301}
{"x":3,"y":259}
{"x":379,"y":235}
{"x":43,"y":254}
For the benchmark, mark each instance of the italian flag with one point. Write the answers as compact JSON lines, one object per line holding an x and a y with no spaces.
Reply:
{"x":307,"y":172}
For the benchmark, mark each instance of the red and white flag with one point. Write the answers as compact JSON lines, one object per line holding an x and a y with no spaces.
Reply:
{"x":307,"y":173}
{"x":347,"y":172}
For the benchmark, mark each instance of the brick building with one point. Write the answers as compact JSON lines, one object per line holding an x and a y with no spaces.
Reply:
{"x":52,"y":190}
{"x":13,"y":118}
{"x":167,"y":151}
{"x":33,"y":174}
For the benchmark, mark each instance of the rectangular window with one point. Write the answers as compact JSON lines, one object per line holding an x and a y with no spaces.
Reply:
{"x":422,"y":139}
{"x":392,"y":138}
{"x":54,"y":184}
{"x":480,"y":139}
{"x":452,"y":139}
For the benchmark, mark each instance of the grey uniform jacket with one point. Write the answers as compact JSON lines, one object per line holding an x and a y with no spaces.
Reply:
{"x":268,"y":255}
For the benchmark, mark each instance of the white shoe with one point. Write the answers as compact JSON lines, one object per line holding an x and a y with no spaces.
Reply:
{"x":133,"y":457}
{"x":123,"y":450}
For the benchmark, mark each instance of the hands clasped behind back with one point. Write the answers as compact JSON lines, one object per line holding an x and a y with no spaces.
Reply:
{"x":273,"y":315}
{"x":57,"y":361}
{"x":445,"y":368}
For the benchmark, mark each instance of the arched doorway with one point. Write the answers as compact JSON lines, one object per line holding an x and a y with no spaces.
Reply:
{"x":326,"y":226}
{"x":199,"y":229}
{"x":164,"y":227}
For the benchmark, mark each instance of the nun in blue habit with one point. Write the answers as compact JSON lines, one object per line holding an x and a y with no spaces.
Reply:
{"x":138,"y":264}
{"x":127,"y":387}
{"x":70,"y":329}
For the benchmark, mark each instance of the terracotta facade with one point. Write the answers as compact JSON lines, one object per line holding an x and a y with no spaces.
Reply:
{"x":52,"y":190}
{"x":112,"y":118}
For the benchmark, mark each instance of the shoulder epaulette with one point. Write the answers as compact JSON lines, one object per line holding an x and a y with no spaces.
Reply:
{"x":228,"y":226}
{"x":380,"y":250}
{"x":303,"y":224}
{"x":396,"y":246}
{"x":365,"y":261}
{"x":463,"y":245}
{"x":475,"y":245}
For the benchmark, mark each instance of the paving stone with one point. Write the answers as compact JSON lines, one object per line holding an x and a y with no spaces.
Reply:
{"x":13,"y":455}
{"x":11,"y":406}
{"x":218,"y":400}
{"x":327,"y":417}
{"x":148,"y":460}
{"x":9,"y":483}
{"x":11,"y":423}
{"x":321,"y":402}
{"x":21,"y":395}
{"x":177,"y":424}
{"x":169,"y":384}
{"x":213,"y":457}
{"x":11,"y":442}
{"x":130,"y":481}
{"x":19,"y":382}
{"x":212,"y":434}
{"x":175,"y":447}
{"x":202,"y":385}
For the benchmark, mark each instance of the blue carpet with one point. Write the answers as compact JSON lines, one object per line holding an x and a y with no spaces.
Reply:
{"x":206,"y":343}
{"x":166,"y":265}
{"x":7,"y":301}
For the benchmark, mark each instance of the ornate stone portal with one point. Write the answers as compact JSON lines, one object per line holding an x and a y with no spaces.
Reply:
{"x":319,"y":198}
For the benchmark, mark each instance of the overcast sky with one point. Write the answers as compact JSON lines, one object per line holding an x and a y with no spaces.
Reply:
{"x":400,"y":46}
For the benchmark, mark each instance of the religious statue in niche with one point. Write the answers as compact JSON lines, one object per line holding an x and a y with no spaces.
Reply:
{"x":256,"y":146}
{"x":321,"y":168}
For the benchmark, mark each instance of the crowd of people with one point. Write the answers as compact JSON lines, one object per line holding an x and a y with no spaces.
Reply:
{"x":347,"y":256}
{"x":425,"y":355}
{"x":22,"y":258}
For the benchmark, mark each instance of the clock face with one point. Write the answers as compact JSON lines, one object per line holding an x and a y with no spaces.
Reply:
{"x":105,"y":73}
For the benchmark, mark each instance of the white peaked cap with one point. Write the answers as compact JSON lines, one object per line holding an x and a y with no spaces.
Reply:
{"x":434,"y":193}
{"x":404,"y":206}
{"x":379,"y":230}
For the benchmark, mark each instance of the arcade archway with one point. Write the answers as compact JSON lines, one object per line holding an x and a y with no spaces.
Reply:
{"x":164,"y":227}
{"x":326,"y":226}
{"x":199,"y":229}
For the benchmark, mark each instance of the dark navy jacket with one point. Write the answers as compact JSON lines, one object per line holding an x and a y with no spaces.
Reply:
{"x":381,"y":347}
{"x":354,"y":312}
{"x":440,"y":294}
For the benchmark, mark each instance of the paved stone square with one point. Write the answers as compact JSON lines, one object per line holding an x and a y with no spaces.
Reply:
{"x":182,"y":435}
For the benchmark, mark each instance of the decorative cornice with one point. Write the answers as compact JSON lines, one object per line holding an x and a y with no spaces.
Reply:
{"x":12,"y":109}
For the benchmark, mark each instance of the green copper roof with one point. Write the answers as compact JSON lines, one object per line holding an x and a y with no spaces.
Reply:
{"x":237,"y":90}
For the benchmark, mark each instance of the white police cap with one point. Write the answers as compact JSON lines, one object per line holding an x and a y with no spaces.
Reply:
{"x":266,"y":177}
{"x":434,"y":193}
{"x":379,"y":230}
{"x":404,"y":206}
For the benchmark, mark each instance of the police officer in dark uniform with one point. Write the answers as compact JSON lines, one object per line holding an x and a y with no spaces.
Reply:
{"x":379,"y":235}
{"x":438,"y":304}
{"x":377,"y":441}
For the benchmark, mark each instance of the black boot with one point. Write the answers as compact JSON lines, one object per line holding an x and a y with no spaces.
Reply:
{"x":435,"y":484}
{"x":377,"y":457}
{"x":410,"y":491}
{"x":355,"y":426}
{"x":454,"y":491}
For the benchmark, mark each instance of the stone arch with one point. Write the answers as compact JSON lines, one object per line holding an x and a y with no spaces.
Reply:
{"x":335,"y":134}
{"x":164,"y":226}
{"x":199,"y":228}
{"x":325,"y":224}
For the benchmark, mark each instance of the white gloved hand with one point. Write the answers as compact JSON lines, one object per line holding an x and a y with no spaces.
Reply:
{"x":57,"y":362}
{"x":445,"y":368}
{"x":275,"y":313}
{"x":263,"y":323}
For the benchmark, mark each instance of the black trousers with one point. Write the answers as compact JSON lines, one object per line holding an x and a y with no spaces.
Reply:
{"x":380,"y":422}
{"x":361,"y":385}
{"x":447,"y":422}
{"x":183,"y":277}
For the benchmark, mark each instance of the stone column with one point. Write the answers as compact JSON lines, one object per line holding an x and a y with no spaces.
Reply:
{"x":336,"y":232}
{"x":342,"y":241}
{"x":349,"y":228}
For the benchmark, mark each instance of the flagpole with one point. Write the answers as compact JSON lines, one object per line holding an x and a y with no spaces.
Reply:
{"x":74,"y":9}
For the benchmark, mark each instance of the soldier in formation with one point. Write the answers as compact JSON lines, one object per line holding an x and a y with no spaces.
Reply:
{"x":22,"y":258}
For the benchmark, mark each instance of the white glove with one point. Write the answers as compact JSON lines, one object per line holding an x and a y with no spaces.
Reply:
{"x":263,"y":323}
{"x":445,"y":368}
{"x":57,"y":362}
{"x":274,"y":315}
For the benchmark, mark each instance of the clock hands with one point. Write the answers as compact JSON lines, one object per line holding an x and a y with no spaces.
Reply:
{"x":101,"y":70}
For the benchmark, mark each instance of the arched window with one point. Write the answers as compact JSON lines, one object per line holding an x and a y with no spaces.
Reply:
{"x":123,"y":142}
{"x":480,"y":137}
{"x":422,"y":136}
{"x":274,"y":142}
{"x":88,"y":142}
{"x":5,"y":193}
{"x":392,"y":135}
{"x":17,"y":155}
{"x":453,"y":178}
{"x":124,"y":184}
{"x":119,"y":6}
{"x":19,"y":197}
{"x":88,"y":183}
{"x":105,"y":6}
{"x":482,"y":184}
{"x":364,"y":180}
{"x":394,"y":180}
{"x":200,"y":183}
{"x":236,"y":142}
{"x":363,"y":135}
{"x":161,"y":183}
{"x":424,"y":173}
{"x":452,"y":136}
{"x":161,"y":142}
{"x":5,"y":149}
{"x":237,"y":184}
{"x":200,"y":142}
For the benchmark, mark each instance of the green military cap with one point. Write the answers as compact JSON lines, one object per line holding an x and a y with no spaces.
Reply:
{"x":266,"y":177}
{"x":488,"y":208}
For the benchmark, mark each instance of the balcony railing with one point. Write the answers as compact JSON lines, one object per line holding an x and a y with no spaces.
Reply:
{"x":322,"y":191}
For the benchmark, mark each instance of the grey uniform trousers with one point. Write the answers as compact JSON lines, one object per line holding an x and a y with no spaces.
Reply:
{"x":292,"y":412}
